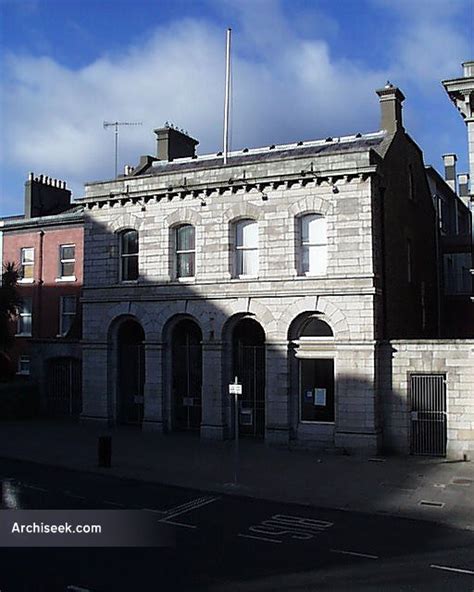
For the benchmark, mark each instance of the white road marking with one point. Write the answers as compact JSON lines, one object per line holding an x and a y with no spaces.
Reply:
{"x":161,"y":512}
{"x":77,"y":589}
{"x":455,"y":569}
{"x":296,"y":527}
{"x":190,"y":506}
{"x":250,"y":536}
{"x":165,"y":521}
{"x":354,"y":553}
{"x":112,"y":504}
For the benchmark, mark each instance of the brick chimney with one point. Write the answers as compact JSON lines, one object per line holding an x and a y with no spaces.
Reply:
{"x":450,"y":170}
{"x":391,"y":99}
{"x":45,"y":196}
{"x":172,"y":143}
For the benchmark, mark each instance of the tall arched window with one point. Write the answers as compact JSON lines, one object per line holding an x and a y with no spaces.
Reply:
{"x":313,"y":244}
{"x":185,"y":251}
{"x":129,"y":255}
{"x":246,"y":248}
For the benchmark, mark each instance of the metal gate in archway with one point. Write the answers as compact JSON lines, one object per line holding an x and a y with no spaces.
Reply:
{"x":186,"y":383}
{"x":63,"y":392}
{"x":250,"y":370}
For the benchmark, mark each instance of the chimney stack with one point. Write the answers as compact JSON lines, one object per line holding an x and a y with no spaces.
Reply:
{"x":450,"y":170}
{"x":463,"y":187}
{"x":172,"y":143}
{"x":391,"y":99}
{"x":45,"y":196}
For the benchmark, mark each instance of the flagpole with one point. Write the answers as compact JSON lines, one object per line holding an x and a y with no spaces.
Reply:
{"x":227,"y":96}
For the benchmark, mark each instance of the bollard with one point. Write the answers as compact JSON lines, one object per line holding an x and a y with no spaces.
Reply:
{"x":104,"y":451}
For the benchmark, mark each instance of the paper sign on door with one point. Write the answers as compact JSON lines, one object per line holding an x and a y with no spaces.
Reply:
{"x":320,"y":397}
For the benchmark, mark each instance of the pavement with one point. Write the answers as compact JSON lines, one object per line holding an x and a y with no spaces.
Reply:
{"x":433,"y":489}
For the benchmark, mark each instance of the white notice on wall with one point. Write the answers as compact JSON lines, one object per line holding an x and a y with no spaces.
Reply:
{"x":320,"y":397}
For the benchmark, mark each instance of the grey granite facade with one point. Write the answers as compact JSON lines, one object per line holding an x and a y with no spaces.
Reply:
{"x":311,"y":386}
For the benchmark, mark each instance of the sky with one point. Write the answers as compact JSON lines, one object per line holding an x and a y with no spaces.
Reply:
{"x":301,"y":70}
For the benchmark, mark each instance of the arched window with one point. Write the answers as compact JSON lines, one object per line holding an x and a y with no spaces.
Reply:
{"x":313,"y":244}
{"x":185,"y":251}
{"x":316,"y":328}
{"x":129,"y":255}
{"x":246,"y":248}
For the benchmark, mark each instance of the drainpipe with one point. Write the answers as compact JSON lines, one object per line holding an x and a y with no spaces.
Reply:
{"x":39,"y":324}
{"x":439,"y":265}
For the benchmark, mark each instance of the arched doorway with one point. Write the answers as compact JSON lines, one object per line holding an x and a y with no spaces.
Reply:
{"x":186,"y":375}
{"x":313,"y":370}
{"x":248,"y":364}
{"x":131,"y":372}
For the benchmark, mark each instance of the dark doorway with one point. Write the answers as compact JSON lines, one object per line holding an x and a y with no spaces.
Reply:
{"x":186,"y":369}
{"x":63,"y":388}
{"x":131,"y":372}
{"x":248,"y":347}
{"x":317,"y":390}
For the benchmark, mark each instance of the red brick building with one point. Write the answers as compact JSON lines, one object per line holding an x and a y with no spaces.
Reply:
{"x":46,"y":243}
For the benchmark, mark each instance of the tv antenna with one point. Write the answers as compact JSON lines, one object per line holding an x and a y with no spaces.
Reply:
{"x":116,"y":124}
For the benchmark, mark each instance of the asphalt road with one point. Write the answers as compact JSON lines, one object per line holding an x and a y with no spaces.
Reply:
{"x":228,"y":543}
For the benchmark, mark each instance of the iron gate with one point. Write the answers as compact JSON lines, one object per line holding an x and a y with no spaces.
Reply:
{"x":250,"y":371}
{"x":63,"y":388}
{"x":187,"y":386}
{"x":131,"y":383}
{"x":428,"y":414}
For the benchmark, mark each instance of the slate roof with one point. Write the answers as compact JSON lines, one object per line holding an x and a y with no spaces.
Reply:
{"x":256,"y":155}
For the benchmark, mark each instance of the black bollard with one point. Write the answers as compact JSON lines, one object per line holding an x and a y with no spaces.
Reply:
{"x":104,"y":451}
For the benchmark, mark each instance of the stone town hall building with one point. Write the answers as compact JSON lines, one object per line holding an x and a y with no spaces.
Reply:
{"x":299,"y":269}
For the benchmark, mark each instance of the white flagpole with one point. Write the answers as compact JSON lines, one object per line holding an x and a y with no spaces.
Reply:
{"x":227,"y":96}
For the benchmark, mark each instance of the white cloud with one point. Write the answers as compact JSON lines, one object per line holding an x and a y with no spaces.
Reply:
{"x":54,"y":115}
{"x":430,"y":40}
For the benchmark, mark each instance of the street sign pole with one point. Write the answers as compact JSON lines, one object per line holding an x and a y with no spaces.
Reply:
{"x":236,"y":443}
{"x":235,"y":389}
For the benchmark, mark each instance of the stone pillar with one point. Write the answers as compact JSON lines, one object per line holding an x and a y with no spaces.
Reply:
{"x":213,"y":425}
{"x":277,"y":420}
{"x":97,"y":401}
{"x":153,"y":391}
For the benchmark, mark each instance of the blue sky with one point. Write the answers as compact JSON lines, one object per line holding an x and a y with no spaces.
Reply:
{"x":302,"y":69}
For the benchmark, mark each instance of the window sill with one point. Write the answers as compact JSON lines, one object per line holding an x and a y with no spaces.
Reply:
{"x":311,"y":422}
{"x":23,"y":373}
{"x":186,"y":280}
{"x":244,"y":278}
{"x":67,"y":278}
{"x":26,"y":281}
{"x":23,"y":335}
{"x":310,"y":276}
{"x":128,"y":282}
